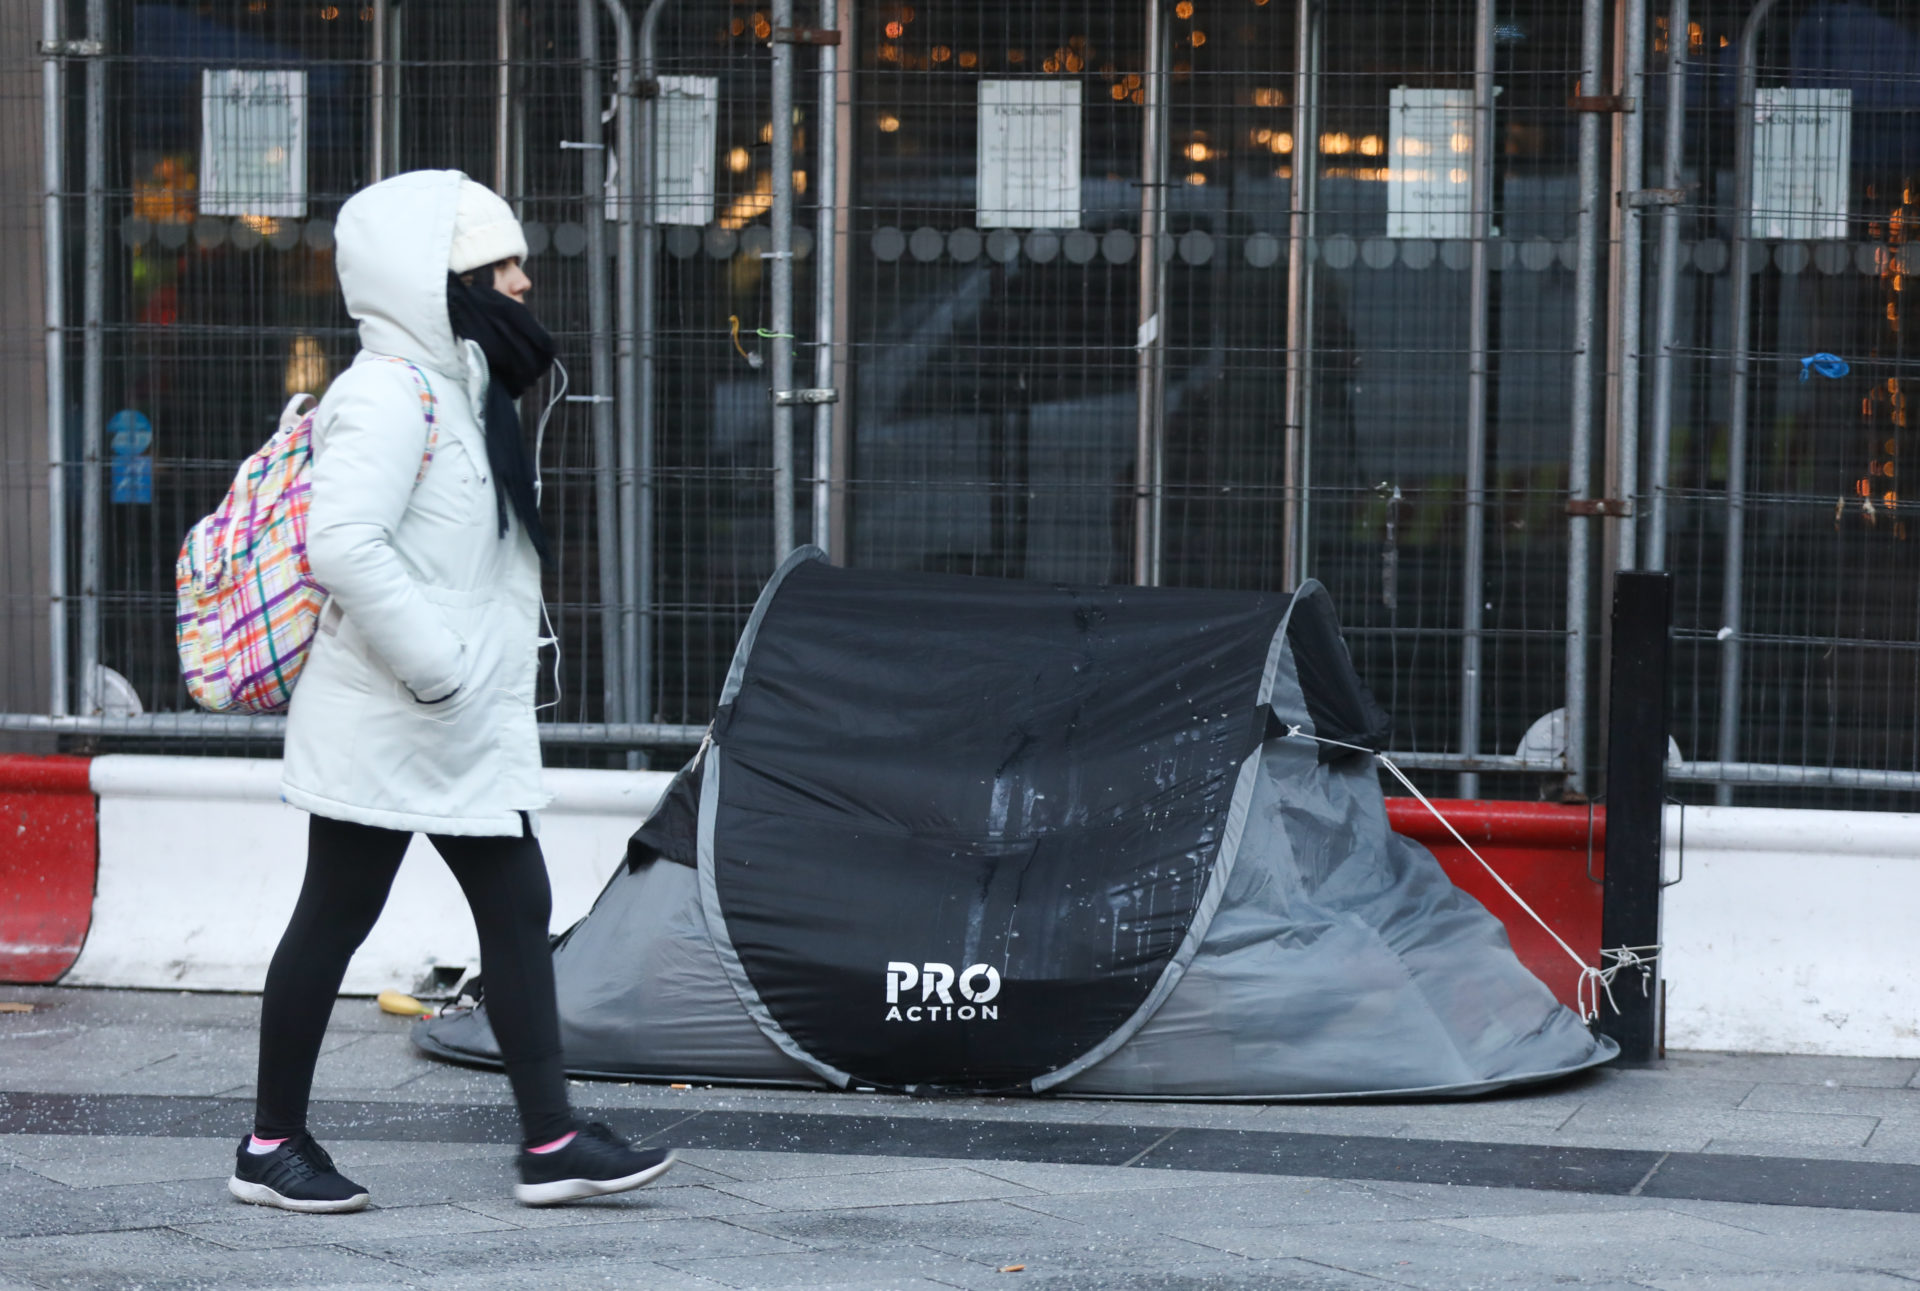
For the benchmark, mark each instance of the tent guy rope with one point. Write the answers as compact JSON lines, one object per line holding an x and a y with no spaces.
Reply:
{"x":1594,"y":982}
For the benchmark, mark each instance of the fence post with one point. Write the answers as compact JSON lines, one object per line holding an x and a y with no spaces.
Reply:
{"x":1624,"y":307}
{"x":93,"y":364}
{"x":53,"y":156}
{"x":1742,"y":293}
{"x":646,"y":179}
{"x":826,"y":183}
{"x":377,"y":93}
{"x":1150,"y":336}
{"x":1473,"y":574}
{"x":502,"y":93}
{"x":626,"y":361}
{"x":840,"y":121}
{"x":1300,"y":210}
{"x":1666,"y":302}
{"x":780,"y":294}
{"x":1636,"y":797}
{"x":1586,"y":272}
{"x":593,"y":164}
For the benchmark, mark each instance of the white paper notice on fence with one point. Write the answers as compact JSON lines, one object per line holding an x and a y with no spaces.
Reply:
{"x":1028,"y":172}
{"x":686,"y":117}
{"x":1429,"y":163}
{"x":1801,"y":142}
{"x":253,"y":143}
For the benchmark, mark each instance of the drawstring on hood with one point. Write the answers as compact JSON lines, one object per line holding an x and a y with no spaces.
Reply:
{"x":519,"y":351}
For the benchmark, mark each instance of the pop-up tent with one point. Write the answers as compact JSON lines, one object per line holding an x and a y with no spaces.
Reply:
{"x":955,"y":833}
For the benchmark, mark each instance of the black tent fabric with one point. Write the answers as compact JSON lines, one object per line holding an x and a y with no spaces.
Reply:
{"x":968,"y":834}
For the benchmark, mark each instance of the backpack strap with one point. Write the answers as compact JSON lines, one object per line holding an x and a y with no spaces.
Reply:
{"x":429,"y":409}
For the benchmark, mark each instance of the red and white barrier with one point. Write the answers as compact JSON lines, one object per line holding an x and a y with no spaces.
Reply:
{"x":200,"y":863}
{"x":47,"y":855}
{"x":1791,"y":932}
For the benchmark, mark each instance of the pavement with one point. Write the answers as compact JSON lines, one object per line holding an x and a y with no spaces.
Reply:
{"x":119,"y":1111}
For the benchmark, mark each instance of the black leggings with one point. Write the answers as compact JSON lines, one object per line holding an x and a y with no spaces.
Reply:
{"x":350,"y":869}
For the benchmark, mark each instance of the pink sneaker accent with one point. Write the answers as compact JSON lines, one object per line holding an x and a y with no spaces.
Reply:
{"x":260,"y":1147}
{"x":554,"y":1146}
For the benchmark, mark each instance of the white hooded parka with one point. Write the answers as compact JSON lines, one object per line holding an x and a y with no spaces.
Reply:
{"x":426,"y":600}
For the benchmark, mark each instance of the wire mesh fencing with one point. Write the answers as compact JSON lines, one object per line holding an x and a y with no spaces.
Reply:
{"x":1216,"y":293}
{"x":1796,"y":632}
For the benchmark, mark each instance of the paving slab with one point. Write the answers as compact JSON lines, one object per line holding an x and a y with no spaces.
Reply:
{"x":91,"y":1161}
{"x":757,"y":1167}
{"x":264,"y":1228}
{"x":1835,"y":1100}
{"x":1429,"y":1263}
{"x":658,"y":1241}
{"x":1657,"y":1129}
{"x":1831,"y":1280}
{"x":862,"y":1267}
{"x":886,"y":1188}
{"x":58,"y":1210}
{"x":696,"y":1201}
{"x":161,"y":1260}
{"x":1793,"y":1234}
{"x":991,"y":1231}
{"x":1057,"y":1180}
{"x":1454,"y":1200}
{"x":1254,"y":1202}
{"x":615,"y":1275}
{"x":1581,"y":1228}
{"x":1797,"y":1069}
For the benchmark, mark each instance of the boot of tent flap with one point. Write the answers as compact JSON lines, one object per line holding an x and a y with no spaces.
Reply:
{"x":971,"y":834}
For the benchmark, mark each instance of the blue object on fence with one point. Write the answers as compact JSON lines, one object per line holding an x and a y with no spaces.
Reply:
{"x":1827,"y":365}
{"x":130,"y":433}
{"x":133,"y":478}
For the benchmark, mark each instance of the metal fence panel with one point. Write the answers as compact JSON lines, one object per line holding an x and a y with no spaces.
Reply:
{"x":1304,"y":303}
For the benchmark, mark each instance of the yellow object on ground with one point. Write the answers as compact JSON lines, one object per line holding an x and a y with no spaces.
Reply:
{"x":405,"y":1005}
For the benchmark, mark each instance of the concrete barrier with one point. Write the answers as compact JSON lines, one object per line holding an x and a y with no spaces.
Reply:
{"x":200,"y":864}
{"x":47,"y":856}
{"x":1791,"y":932}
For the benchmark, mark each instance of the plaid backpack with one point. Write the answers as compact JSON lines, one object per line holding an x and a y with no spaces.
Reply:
{"x":248,"y":605}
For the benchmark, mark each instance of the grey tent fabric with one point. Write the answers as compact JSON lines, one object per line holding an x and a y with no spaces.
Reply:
{"x":1302,"y":951}
{"x":638,"y":977}
{"x":1343,"y":962}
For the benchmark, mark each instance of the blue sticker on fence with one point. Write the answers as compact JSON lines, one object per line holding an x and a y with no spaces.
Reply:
{"x":1827,"y":365}
{"x":132,"y":478}
{"x":129,"y":432}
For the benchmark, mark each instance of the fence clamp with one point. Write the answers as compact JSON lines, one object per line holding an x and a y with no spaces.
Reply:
{"x":1615,"y":508}
{"x":1601,"y":103}
{"x":805,"y":36}
{"x":72,"y":48}
{"x":1654,"y":197}
{"x":791,"y":398}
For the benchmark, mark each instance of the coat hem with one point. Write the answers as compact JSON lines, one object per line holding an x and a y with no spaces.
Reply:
{"x":504,"y":823}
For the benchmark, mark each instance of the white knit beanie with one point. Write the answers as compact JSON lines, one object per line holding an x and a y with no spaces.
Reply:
{"x":484,"y":230}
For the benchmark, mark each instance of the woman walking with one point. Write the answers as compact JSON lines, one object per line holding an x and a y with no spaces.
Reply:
{"x":415,"y":712}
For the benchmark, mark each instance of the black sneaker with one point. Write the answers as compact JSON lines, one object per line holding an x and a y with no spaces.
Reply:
{"x":595,"y":1163}
{"x":297,"y":1175}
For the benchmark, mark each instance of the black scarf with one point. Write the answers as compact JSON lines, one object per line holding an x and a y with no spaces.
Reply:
{"x":519,"y":351}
